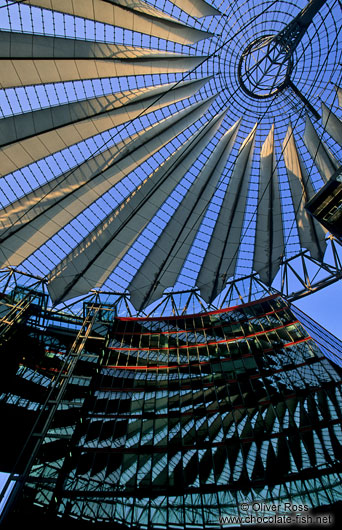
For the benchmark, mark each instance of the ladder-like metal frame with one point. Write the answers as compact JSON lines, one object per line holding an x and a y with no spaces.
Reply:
{"x":16,"y":311}
{"x":53,"y":400}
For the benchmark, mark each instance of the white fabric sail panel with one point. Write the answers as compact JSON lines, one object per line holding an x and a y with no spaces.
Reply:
{"x":269,"y":238}
{"x":22,"y":72}
{"x":31,"y":221}
{"x":27,"y":124}
{"x":155,"y":23}
{"x":166,"y":259}
{"x":222,"y":252}
{"x":311,"y":233}
{"x":32,"y":46}
{"x":196,"y":8}
{"x":332,"y":124}
{"x":19,"y":154}
{"x":27,"y":208}
{"x":93,"y":260}
{"x":19,"y":126}
{"x":320,"y":154}
{"x":97,"y":171}
{"x":339,"y":95}
{"x":142,"y":7}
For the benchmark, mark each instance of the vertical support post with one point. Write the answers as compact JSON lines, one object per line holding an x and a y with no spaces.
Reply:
{"x":49,"y":408}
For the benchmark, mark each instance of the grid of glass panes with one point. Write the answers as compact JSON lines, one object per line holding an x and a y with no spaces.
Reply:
{"x":189,"y":411}
{"x":180,"y":419}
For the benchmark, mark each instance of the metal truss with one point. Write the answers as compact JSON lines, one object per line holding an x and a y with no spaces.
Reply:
{"x":299,"y":276}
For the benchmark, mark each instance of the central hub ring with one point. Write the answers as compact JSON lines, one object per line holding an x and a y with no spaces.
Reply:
{"x":265,"y":67}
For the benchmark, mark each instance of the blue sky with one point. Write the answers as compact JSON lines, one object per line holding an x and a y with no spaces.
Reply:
{"x":325,"y":307}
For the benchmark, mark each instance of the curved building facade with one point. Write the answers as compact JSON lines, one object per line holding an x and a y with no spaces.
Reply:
{"x":176,"y":421}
